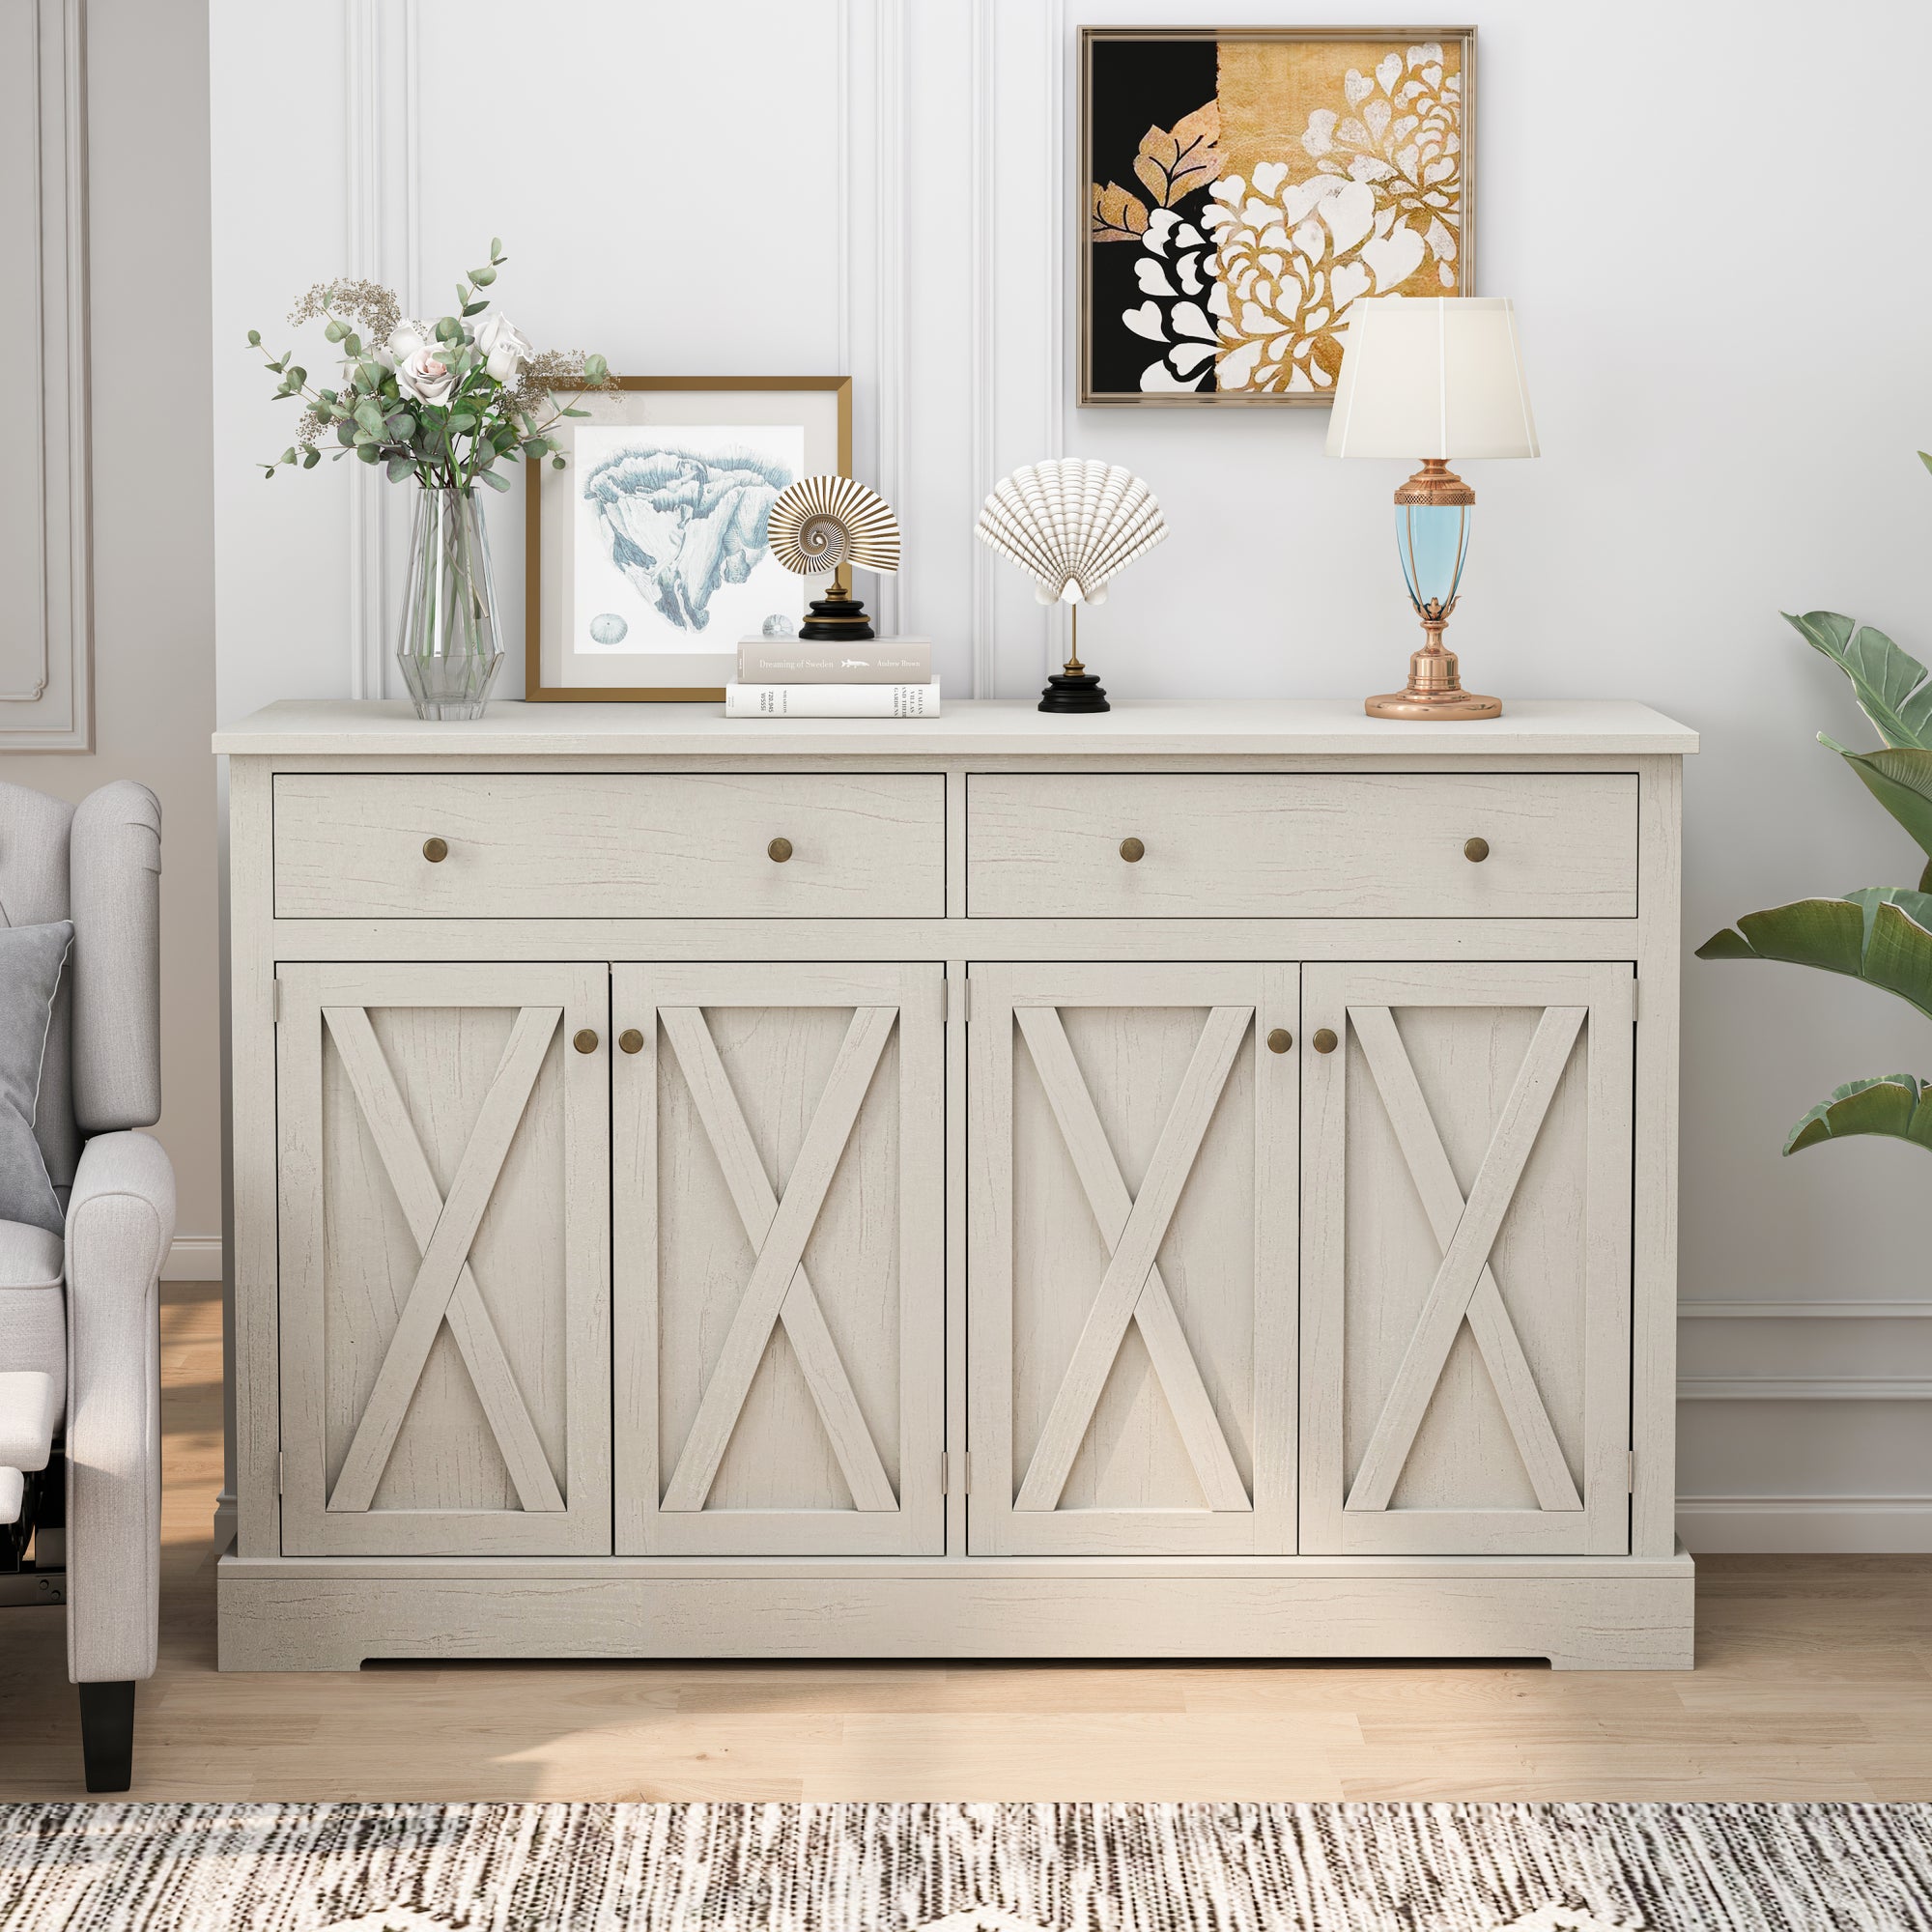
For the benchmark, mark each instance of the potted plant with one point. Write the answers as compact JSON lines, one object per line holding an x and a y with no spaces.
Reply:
{"x":438,"y":405}
{"x":1880,"y":934}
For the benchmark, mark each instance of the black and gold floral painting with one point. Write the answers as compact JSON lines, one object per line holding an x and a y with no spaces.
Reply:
{"x":1244,"y":190}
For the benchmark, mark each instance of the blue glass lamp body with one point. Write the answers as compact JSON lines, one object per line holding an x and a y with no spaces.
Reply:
{"x":1433,"y":540}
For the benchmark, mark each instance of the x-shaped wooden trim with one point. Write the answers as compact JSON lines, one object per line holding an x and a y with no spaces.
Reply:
{"x":778,"y":1289}
{"x":1132,"y":1229}
{"x":1463,"y":1284}
{"x":442,"y":1230}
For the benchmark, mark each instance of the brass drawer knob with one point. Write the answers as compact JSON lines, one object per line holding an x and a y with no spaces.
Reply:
{"x":1132,"y":851}
{"x":1279,"y":1039}
{"x":1476,"y":850}
{"x":631,"y":1040}
{"x":585,"y":1040}
{"x":1325,"y":1041}
{"x":435,"y":850}
{"x":779,"y":851}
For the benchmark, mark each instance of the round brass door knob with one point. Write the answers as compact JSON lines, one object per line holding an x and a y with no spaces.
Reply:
{"x":1476,"y":850}
{"x":435,"y":850}
{"x":631,"y":1040}
{"x":1279,"y":1039}
{"x":779,"y":851}
{"x":585,"y":1040}
{"x":1132,"y":851}
{"x":1325,"y":1041}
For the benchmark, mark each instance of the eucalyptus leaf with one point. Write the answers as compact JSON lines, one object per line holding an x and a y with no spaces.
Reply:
{"x":334,"y":332}
{"x":596,"y":368}
{"x":368,"y":452}
{"x":353,"y":344}
{"x":1898,"y":1105}
{"x":491,"y":477}
{"x":482,"y":277}
{"x":310,"y":458}
{"x":254,"y":338}
{"x":496,"y":249}
{"x":474,"y":308}
{"x":462,"y":420}
{"x":401,"y":466}
{"x":556,"y":463}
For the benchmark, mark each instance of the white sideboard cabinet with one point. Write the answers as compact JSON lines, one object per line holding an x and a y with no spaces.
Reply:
{"x":1193,"y":1181}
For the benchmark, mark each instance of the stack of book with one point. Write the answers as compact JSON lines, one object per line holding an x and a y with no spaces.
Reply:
{"x":790,"y":677}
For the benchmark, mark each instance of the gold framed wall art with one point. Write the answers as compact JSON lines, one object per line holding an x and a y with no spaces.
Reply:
{"x":645,"y":556}
{"x":1242,"y":187}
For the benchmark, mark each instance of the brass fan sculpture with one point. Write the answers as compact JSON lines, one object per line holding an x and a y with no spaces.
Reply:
{"x":830,"y":523}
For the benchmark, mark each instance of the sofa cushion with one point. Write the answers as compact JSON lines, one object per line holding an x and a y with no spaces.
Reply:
{"x":32,"y":958}
{"x":33,"y":1305}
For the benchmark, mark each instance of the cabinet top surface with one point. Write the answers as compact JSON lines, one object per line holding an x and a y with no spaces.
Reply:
{"x":1002,"y":727}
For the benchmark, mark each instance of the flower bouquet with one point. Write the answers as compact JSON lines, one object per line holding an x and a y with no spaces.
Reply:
{"x":439,"y":405}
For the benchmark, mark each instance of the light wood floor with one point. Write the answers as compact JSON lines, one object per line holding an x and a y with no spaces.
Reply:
{"x":1814,"y":1680}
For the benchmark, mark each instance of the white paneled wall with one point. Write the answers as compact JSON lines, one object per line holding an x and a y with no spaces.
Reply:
{"x":1711,"y":233}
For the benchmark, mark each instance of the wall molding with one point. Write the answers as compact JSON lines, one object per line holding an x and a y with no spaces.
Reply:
{"x":50,"y":706}
{"x":1805,"y":1388}
{"x":193,"y":1258}
{"x":981,"y":381}
{"x":1804,"y":1311}
{"x":382,"y":182}
{"x":1797,"y":1526}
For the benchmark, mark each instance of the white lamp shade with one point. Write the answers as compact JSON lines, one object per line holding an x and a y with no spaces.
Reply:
{"x":1435,"y":375}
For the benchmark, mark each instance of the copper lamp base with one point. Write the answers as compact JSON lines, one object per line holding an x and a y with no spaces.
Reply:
{"x":1434,"y":691}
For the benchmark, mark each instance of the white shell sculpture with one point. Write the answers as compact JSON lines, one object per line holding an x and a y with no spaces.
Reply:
{"x":1070,"y":525}
{"x":820,"y":523}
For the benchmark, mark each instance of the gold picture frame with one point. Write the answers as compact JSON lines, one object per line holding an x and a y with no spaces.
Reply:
{"x":554,"y":670}
{"x":1270,"y":104}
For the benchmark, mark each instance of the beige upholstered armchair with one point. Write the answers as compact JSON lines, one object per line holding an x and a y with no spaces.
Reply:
{"x":79,"y":1345}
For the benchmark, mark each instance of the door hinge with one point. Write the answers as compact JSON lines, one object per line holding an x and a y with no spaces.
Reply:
{"x":280,"y":1460}
{"x":1630,"y":1474}
{"x":275,"y":1002}
{"x":958,"y":1000}
{"x":946,"y":1466}
{"x":1636,"y":1001}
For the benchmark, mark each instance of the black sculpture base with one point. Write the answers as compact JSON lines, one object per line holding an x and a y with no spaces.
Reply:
{"x":837,"y":619}
{"x":1073,"y":690}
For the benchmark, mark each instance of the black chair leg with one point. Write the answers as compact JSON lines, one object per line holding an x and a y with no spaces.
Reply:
{"x":107,"y":1734}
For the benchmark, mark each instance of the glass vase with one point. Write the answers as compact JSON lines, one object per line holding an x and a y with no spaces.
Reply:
{"x":448,"y":647}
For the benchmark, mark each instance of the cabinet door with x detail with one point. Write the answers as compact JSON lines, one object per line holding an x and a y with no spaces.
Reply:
{"x":1466,"y":1259}
{"x":780,"y":1176}
{"x":1132,"y":1150}
{"x":444,"y":1238}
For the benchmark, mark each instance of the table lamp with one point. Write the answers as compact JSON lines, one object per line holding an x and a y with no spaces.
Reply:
{"x":1432,"y":377}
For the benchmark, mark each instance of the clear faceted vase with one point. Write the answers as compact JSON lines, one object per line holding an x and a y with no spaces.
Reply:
{"x":447,"y":647}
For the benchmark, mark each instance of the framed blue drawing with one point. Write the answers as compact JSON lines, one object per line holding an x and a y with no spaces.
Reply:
{"x":645,"y":556}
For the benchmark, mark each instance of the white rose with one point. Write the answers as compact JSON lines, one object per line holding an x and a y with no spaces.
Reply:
{"x":403,"y":343}
{"x":502,"y":345}
{"x":424,"y":377}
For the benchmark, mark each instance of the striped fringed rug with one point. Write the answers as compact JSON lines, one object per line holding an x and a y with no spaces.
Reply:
{"x":1002,"y":1867}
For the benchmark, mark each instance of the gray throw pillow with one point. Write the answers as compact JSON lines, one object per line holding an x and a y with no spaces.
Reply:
{"x":31,"y":960}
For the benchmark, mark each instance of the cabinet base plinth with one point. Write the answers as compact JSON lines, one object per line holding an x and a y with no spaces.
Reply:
{"x":1611,"y":1614}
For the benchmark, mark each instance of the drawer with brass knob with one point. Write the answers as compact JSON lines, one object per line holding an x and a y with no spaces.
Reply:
{"x":1301,"y":845}
{"x":610,"y":845}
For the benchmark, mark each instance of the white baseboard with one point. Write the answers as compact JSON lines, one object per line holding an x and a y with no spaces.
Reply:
{"x":193,"y":1258}
{"x":1793,"y":1525}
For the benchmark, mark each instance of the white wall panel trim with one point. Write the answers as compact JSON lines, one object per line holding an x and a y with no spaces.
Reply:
{"x":1805,"y":1388}
{"x":1804,"y":1311}
{"x":383,"y":189}
{"x":47,"y":699}
{"x":985,"y":366}
{"x":1796,"y":1526}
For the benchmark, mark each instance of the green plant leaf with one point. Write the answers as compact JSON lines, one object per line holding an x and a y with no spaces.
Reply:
{"x":401,"y":466}
{"x":1901,"y":780}
{"x":482,"y":277}
{"x":1889,"y":683}
{"x":351,"y":345}
{"x":496,"y":249}
{"x":1924,"y":459}
{"x":1874,"y":935}
{"x":491,"y":477}
{"x":474,"y":308}
{"x":254,"y":338}
{"x":556,"y":463}
{"x":595,"y":369}
{"x":1896,"y":1104}
{"x":462,"y":420}
{"x":310,"y":458}
{"x":368,"y":452}
{"x":334,"y":332}
{"x":448,"y":328}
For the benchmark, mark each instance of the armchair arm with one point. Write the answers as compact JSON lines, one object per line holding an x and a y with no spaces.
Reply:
{"x":120,"y":1220}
